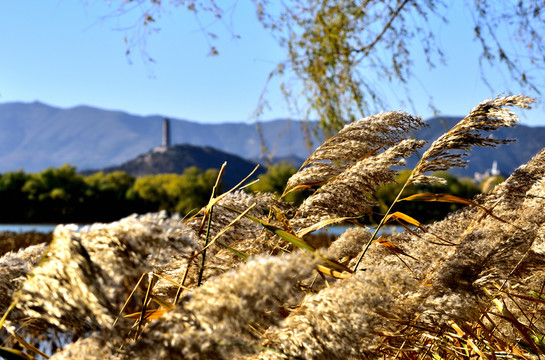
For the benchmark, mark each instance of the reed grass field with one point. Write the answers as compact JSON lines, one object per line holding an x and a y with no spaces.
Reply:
{"x":242,"y":280}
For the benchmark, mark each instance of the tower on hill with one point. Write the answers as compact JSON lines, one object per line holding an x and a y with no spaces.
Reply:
{"x":166,"y":133}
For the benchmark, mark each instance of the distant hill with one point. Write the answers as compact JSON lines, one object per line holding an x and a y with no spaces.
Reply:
{"x":34,"y":136}
{"x":175,"y":159}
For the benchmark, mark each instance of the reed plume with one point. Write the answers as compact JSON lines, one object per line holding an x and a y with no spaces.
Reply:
{"x":84,"y":271}
{"x":98,"y":346}
{"x":348,"y":245}
{"x":353,"y":143}
{"x":136,"y":245}
{"x":350,"y":193}
{"x":223,"y":311}
{"x":383,"y":311}
{"x":66,"y":289}
{"x":14,"y":267}
{"x":343,"y":321}
{"x":489,"y":115}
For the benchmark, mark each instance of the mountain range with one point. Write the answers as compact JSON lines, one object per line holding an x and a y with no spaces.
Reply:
{"x":34,"y":136}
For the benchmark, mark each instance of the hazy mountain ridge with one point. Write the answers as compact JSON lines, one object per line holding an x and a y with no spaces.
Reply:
{"x":34,"y":136}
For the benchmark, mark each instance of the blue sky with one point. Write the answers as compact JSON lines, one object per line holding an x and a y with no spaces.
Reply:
{"x":66,"y":53}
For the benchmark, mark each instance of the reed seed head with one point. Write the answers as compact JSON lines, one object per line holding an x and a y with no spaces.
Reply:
{"x":489,"y":115}
{"x":353,"y":143}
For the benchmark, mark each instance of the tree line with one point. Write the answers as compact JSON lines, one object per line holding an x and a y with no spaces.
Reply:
{"x":62,"y":195}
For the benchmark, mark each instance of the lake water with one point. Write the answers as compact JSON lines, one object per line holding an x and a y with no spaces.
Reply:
{"x":46,"y":228}
{"x":385,"y":230}
{"x":22,"y":228}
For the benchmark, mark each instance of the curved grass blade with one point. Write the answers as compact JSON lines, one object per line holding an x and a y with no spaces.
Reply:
{"x":12,"y":354}
{"x":401,"y":216}
{"x":322,"y":224}
{"x":537,"y":296}
{"x":240,"y":254}
{"x":333,"y":273}
{"x":28,"y":346}
{"x":525,"y":330}
{"x":392,"y":248}
{"x":302,"y":187}
{"x":5,"y":316}
{"x":449,"y":199}
{"x":292,"y":239}
{"x":150,"y":314}
{"x":527,"y":298}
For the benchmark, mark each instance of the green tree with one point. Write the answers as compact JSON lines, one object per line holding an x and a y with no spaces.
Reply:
{"x":177,"y":193}
{"x":14,"y":202}
{"x":108,"y":196}
{"x":161,"y":190}
{"x":196,"y":189}
{"x":55,"y":194}
{"x":338,"y":53}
